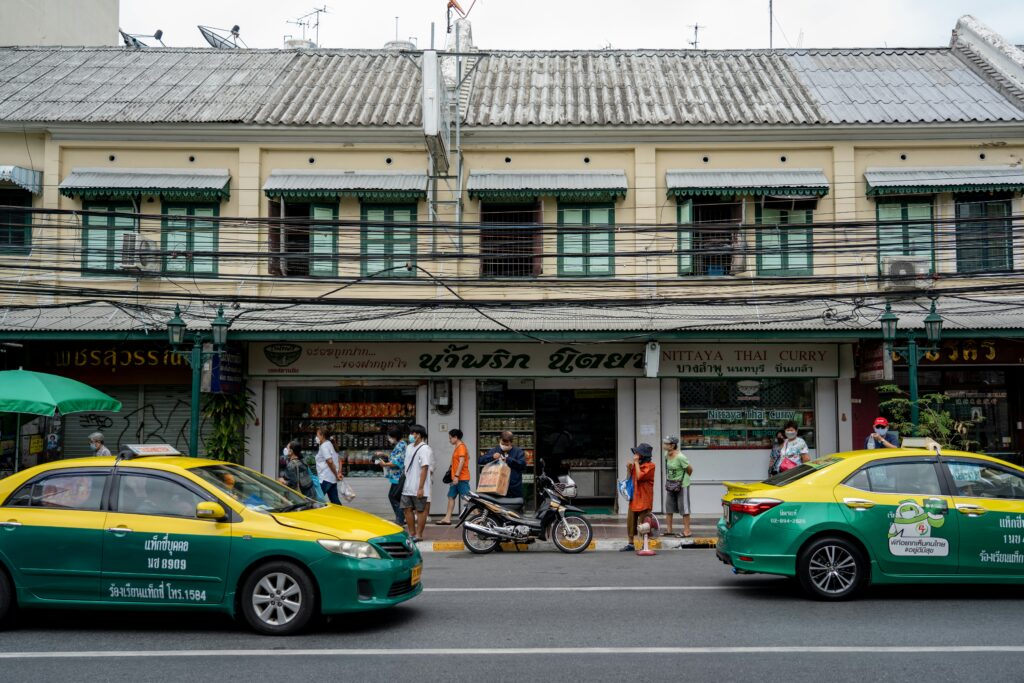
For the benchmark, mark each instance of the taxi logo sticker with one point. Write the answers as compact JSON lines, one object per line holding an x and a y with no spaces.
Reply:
{"x":910,"y":533}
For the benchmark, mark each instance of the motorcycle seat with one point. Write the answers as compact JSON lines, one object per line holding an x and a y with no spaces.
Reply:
{"x":515,"y":503}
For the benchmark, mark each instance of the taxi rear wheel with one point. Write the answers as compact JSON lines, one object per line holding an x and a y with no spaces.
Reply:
{"x":278,"y":599}
{"x":831,"y":568}
{"x":7,"y":602}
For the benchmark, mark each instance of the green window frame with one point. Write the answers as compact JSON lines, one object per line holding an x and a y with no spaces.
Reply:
{"x":386,"y":245}
{"x":323,"y":239}
{"x":985,"y":244}
{"x":684,"y":245}
{"x":102,"y":236}
{"x":586,"y":240}
{"x":186,"y":229}
{"x":784,"y":241}
{"x":16,"y":221}
{"x":910,"y":230}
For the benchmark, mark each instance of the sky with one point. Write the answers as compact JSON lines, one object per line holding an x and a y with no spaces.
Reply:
{"x":583,"y":24}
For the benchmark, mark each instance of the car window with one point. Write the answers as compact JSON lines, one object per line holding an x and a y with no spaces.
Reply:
{"x":978,"y":480}
{"x":254,"y":490}
{"x":800,"y":471}
{"x":149,"y":495}
{"x":916,"y":478}
{"x":64,"y":490}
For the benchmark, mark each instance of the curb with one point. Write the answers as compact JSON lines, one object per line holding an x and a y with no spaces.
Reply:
{"x":604,"y":545}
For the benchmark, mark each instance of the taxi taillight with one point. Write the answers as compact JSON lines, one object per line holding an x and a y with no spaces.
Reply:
{"x":753,"y":506}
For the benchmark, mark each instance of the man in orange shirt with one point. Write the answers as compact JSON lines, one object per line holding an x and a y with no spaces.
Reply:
{"x":640,"y":505}
{"x":459,"y":472}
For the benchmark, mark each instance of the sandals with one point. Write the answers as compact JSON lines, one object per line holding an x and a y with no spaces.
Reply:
{"x":441,"y":522}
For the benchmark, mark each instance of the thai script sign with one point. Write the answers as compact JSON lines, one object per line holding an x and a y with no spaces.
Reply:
{"x":713,"y":360}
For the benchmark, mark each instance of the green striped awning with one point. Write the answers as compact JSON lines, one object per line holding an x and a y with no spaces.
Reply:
{"x":584,"y":186}
{"x":195,"y":185}
{"x":895,"y":181}
{"x":383,"y":186}
{"x":803,"y":182}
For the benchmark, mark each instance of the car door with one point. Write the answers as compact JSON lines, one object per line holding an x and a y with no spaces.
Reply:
{"x":989,"y":500}
{"x":155,"y":549}
{"x":901,"y":509}
{"x":51,"y":533}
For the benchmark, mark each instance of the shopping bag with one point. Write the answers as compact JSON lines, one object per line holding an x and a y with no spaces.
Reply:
{"x":345,"y":490}
{"x":318,"y":491}
{"x":626,"y":488}
{"x":786,"y":465}
{"x":494,"y":478}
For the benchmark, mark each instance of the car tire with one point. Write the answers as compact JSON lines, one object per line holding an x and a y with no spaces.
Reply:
{"x":278,"y":598}
{"x":8,"y":601}
{"x":831,"y":568}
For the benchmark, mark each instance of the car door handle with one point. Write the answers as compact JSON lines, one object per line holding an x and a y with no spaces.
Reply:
{"x":859,"y":503}
{"x":119,"y":530}
{"x":971,"y":510}
{"x":10,"y":525}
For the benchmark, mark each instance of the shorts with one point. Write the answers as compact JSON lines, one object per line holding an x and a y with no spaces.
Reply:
{"x":678,"y":501}
{"x":458,"y":489}
{"x":417,"y":503}
{"x":634,"y":518}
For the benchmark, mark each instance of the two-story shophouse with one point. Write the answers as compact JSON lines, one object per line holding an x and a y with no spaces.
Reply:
{"x":588,"y":248}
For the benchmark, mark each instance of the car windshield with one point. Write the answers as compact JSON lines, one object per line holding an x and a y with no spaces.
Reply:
{"x":800,"y":471}
{"x":253,"y":490}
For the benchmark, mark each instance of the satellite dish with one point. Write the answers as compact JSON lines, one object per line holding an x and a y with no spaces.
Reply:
{"x":131,"y":41}
{"x":218,"y":37}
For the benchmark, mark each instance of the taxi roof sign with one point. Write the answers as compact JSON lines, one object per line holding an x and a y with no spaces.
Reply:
{"x":921,"y":442}
{"x":152,"y":449}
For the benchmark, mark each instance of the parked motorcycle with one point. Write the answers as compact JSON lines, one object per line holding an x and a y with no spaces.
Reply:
{"x":486,"y":522}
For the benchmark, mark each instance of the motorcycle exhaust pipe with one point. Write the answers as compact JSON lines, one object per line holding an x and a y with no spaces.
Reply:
{"x":488,"y":531}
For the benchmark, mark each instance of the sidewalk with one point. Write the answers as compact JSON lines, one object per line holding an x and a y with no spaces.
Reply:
{"x":609,"y":535}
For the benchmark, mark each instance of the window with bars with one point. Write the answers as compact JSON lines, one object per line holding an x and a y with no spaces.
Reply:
{"x":709,"y":241}
{"x":103,"y":235}
{"x":189,"y":239}
{"x":905,"y":228}
{"x":784,"y":240}
{"x":303,"y":240}
{"x":586,"y":240}
{"x":983,"y":233}
{"x":510,"y":240}
{"x":15,"y":221}
{"x":388,"y":239}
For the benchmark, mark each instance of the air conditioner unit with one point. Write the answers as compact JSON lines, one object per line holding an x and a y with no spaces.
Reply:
{"x":906,"y":272}
{"x":137,"y":253}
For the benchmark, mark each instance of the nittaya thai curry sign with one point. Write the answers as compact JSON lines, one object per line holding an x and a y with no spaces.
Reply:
{"x":479,"y":359}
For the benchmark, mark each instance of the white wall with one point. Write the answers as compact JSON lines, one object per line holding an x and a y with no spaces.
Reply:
{"x":63,"y":22}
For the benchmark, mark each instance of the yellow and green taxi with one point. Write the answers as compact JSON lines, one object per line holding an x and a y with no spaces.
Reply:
{"x":880,"y":516}
{"x":183,"y":533}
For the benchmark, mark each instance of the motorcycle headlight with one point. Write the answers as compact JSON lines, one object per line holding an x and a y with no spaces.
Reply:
{"x":355,"y":549}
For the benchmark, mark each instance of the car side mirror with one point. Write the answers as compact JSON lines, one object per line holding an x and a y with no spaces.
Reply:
{"x":208,"y":510}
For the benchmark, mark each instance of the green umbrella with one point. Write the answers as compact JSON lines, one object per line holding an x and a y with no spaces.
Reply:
{"x":38,"y":393}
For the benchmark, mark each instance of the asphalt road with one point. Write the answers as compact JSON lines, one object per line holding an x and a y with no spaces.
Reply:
{"x":537,"y":616}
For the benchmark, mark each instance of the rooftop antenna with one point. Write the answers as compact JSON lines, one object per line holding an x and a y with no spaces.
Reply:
{"x":696,"y":28}
{"x":771,"y":22}
{"x":226,"y":39}
{"x":132,"y":39}
{"x":311,"y":20}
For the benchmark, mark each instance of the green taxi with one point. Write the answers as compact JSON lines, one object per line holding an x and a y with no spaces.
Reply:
{"x":879,"y":516}
{"x":192,"y":534}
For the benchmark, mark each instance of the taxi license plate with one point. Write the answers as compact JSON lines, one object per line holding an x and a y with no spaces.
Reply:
{"x":416,"y":571}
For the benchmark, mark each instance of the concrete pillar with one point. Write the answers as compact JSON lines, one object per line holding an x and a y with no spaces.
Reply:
{"x":648,"y":426}
{"x":254,"y":430}
{"x":626,"y":419}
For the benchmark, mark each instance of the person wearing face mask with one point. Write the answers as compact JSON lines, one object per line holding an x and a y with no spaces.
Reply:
{"x":882,"y":437}
{"x":96,"y":444}
{"x":328,"y":465}
{"x":514,"y":457}
{"x":641,"y":469}
{"x":393,"y":465}
{"x":775,"y":457}
{"x":794,"y":449}
{"x":419,"y":459}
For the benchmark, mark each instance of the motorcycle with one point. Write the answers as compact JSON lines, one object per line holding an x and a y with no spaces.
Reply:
{"x":486,"y":520}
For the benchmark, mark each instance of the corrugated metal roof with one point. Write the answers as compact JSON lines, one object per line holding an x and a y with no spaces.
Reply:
{"x":939,"y":179}
{"x":285,"y":180}
{"x":812,"y":315}
{"x":25,"y":178}
{"x":755,"y":180}
{"x":134,"y":178}
{"x":546,"y":180}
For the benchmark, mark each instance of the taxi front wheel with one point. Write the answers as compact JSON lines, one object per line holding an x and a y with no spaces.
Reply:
{"x":278,"y":599}
{"x":831,"y":568}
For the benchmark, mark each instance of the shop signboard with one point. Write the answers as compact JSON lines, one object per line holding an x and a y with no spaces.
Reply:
{"x":222,"y":374}
{"x":714,"y":360}
{"x":111,"y":363}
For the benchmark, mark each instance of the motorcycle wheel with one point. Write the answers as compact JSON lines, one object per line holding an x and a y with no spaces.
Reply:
{"x":573,"y":535}
{"x":474,"y":542}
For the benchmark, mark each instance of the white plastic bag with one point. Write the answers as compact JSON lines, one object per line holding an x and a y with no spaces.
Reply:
{"x":346,"y":491}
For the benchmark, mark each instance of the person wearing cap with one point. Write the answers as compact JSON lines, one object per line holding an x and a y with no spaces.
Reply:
{"x":881,"y":437}
{"x":96,"y":443}
{"x":641,"y":470}
{"x":677,"y":484}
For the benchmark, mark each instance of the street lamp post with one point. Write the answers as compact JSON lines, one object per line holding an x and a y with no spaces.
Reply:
{"x":912,"y":352}
{"x":196,"y":357}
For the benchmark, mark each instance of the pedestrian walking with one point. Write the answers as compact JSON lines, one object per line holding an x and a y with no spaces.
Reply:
{"x":296,"y":473}
{"x":96,"y":444}
{"x":458,"y":473}
{"x":328,"y":465}
{"x":794,"y":449}
{"x":775,"y":455}
{"x":393,"y":466}
{"x":419,"y":461}
{"x":677,"y":485}
{"x":881,"y":436}
{"x":641,"y":470}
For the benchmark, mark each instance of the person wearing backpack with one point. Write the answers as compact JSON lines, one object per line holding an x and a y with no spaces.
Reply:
{"x":677,"y":484}
{"x":296,"y":473}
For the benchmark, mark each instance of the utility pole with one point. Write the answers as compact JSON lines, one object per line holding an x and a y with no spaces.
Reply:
{"x":771,"y":25}
{"x":695,"y":29}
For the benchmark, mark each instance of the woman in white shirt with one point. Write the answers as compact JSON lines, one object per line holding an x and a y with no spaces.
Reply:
{"x":793,"y":448}
{"x":328,"y":465}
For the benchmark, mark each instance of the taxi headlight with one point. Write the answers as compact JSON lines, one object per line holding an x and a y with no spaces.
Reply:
{"x":356,"y":549}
